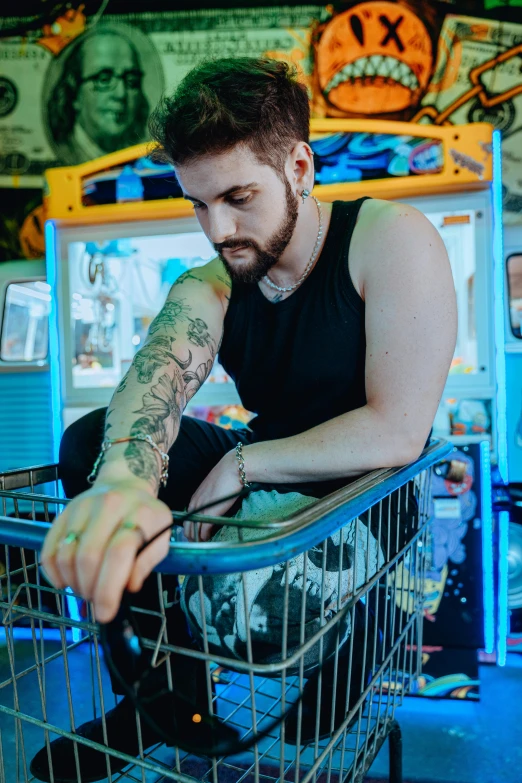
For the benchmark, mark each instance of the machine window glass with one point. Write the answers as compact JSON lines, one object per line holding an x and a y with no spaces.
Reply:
{"x":458,"y":234}
{"x":514,"y":271}
{"x":117,"y":287}
{"x":25,"y":323}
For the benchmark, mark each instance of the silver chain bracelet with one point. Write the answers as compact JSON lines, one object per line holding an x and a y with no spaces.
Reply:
{"x":241,"y":465}
{"x":107,"y":443}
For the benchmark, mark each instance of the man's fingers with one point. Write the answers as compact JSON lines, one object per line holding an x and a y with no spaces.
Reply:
{"x":150,"y":557}
{"x":118,"y":566}
{"x":57,"y":555}
{"x":108,"y":512}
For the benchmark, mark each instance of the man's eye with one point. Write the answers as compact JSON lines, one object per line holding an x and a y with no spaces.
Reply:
{"x":198,"y":206}
{"x":240,"y":200}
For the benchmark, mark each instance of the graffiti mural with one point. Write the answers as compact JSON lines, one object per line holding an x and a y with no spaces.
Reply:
{"x":477,"y":78}
{"x":374,"y":59}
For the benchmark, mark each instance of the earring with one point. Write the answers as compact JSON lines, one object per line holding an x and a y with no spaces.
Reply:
{"x":305,"y":194}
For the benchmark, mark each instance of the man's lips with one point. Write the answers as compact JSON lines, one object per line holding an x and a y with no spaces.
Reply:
{"x":234,"y":250}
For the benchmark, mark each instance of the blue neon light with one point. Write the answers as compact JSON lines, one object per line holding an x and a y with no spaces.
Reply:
{"x":502,"y":631}
{"x":498,"y":283}
{"x":27,"y":634}
{"x":487,"y":548}
{"x":74,"y":613}
{"x":52,"y":262}
{"x":54,"y":341}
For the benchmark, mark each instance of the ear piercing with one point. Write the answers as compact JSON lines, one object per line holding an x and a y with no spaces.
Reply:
{"x":305,"y":194}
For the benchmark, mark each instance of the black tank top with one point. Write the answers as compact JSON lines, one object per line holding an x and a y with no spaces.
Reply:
{"x":299,"y":362}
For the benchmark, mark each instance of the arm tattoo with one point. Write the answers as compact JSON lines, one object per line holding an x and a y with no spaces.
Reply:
{"x":123,"y":384}
{"x":195,"y":380}
{"x":188,"y":275}
{"x":172,"y":311}
{"x":162,"y":407}
{"x":143,"y":461}
{"x":198,"y":334}
{"x":155,"y":354}
{"x":225,"y":280}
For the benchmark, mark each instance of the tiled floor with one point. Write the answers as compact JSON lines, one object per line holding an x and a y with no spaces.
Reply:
{"x":464,"y":742}
{"x":443,"y":741}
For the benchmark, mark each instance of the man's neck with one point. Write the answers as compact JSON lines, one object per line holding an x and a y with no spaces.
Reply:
{"x":295,"y":259}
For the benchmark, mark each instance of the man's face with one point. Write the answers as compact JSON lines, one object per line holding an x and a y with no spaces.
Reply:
{"x":243,"y":207}
{"x":110,"y":93}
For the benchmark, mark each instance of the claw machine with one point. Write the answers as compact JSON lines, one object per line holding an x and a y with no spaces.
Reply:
{"x":117,"y":236}
{"x":119,"y":233}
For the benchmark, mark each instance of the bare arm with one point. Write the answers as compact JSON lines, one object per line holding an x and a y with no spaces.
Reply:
{"x":411,"y":327}
{"x":166,"y":372}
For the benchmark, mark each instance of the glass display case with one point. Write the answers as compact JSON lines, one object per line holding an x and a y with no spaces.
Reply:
{"x":111,"y":286}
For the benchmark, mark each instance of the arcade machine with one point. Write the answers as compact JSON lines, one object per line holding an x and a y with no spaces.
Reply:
{"x":512,"y":575}
{"x":118,"y":234}
{"x":452,"y":175}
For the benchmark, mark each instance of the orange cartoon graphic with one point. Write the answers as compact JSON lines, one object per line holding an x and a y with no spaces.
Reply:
{"x":57,"y":35}
{"x":375,"y":59}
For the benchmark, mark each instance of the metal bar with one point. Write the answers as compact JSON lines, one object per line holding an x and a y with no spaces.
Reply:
{"x":333,"y":512}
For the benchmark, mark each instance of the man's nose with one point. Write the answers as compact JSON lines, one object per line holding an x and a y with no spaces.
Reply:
{"x":221,"y":226}
{"x":120,"y":90}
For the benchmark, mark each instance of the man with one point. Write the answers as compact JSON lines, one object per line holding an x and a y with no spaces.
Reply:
{"x":337,"y":322}
{"x":98,"y":106}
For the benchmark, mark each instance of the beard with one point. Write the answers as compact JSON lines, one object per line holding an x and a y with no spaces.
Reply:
{"x":264,"y":259}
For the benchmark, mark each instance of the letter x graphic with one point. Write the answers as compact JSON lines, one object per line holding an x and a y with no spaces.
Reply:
{"x":392,"y":31}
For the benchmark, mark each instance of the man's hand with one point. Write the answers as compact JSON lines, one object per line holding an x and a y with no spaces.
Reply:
{"x":223,"y":480}
{"x":92,"y":545}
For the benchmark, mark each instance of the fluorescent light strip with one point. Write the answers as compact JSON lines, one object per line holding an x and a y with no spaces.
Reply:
{"x":54,"y":341}
{"x":503,"y":531}
{"x":52,"y":262}
{"x":499,"y":304}
{"x":487,"y":548}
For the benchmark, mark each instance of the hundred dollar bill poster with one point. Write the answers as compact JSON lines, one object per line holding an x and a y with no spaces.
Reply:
{"x":477,"y":78}
{"x":70,"y":100}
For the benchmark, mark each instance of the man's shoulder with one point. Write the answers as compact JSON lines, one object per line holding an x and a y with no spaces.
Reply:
{"x":380,"y":214}
{"x":384,"y":232}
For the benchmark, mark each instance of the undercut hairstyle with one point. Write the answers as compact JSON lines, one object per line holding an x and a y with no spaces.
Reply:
{"x":221,"y":103}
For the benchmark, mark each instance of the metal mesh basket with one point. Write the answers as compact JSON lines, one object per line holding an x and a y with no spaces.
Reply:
{"x":348,"y":615}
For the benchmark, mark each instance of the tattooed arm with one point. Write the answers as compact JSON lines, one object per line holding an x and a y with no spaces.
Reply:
{"x":167,"y":371}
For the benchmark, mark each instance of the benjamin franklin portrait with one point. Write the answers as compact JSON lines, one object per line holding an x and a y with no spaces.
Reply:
{"x":100,"y":92}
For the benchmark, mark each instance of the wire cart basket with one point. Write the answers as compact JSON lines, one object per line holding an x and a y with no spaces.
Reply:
{"x":350,"y":569}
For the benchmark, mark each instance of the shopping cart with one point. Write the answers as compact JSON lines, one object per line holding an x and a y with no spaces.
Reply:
{"x":52,"y":671}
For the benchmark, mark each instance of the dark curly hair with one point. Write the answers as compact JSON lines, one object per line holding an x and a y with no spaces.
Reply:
{"x":61,"y":111}
{"x":238,"y":100}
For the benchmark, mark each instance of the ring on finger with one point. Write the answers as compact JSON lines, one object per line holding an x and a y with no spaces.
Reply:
{"x":71,"y":538}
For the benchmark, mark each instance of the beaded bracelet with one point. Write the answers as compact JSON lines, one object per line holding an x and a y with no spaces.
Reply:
{"x":107,"y":443}
{"x":241,"y":465}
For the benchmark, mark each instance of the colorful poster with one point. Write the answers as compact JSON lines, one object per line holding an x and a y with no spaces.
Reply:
{"x":68,"y":99}
{"x":477,"y":78}
{"x":374,"y":59}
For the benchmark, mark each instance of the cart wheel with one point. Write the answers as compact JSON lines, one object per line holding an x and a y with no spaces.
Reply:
{"x":395,"y":748}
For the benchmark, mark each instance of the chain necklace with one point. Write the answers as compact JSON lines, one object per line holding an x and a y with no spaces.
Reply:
{"x":310,"y":263}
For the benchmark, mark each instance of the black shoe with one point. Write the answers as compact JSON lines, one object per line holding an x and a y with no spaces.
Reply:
{"x":122,"y":735}
{"x":360,"y":673}
{"x":172,"y":714}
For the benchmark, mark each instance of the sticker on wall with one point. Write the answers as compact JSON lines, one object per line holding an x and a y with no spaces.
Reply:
{"x":374,"y":59}
{"x":477,"y":79}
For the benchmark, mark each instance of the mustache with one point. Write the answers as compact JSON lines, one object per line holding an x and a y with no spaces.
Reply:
{"x":232,"y":244}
